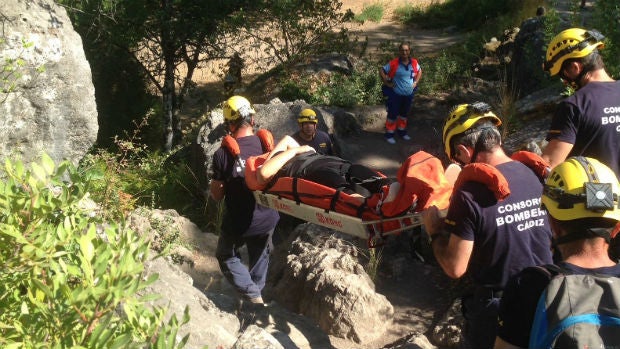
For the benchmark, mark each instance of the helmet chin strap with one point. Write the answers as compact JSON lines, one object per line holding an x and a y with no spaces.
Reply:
{"x":575,"y":84}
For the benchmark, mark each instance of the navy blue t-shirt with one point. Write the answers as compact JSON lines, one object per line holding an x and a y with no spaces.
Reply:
{"x":590,"y":120}
{"x":520,"y":298}
{"x":508,"y":235}
{"x":321,"y":142}
{"x":243,"y":215}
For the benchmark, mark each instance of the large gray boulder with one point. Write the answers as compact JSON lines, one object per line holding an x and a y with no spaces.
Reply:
{"x":317,"y":275}
{"x":528,"y":55}
{"x":209,"y":325}
{"x":51,"y":103}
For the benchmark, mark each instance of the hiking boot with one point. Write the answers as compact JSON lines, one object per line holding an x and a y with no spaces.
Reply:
{"x":390,"y":140}
{"x":251,"y":305}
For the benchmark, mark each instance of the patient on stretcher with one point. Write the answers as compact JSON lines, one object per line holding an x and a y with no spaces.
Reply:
{"x":296,"y":173}
{"x":289,"y":159}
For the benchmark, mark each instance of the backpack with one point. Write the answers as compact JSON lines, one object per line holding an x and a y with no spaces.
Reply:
{"x":577,"y":311}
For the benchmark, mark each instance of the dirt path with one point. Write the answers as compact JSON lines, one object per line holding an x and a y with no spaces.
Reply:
{"x":369,"y":147}
{"x":423,"y":42}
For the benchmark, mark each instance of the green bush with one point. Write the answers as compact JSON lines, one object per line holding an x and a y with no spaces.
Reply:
{"x":605,"y":19}
{"x":441,"y":73}
{"x":361,"y":87}
{"x":67,"y":280}
{"x":407,"y":13}
{"x":478,"y":15}
{"x":136,"y":175}
{"x":295,"y":89}
{"x":372,"y":13}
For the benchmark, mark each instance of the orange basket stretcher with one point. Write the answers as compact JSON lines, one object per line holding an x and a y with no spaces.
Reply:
{"x":422,"y":183}
{"x":372,"y":230}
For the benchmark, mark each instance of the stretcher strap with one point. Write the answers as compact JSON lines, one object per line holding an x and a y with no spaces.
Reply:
{"x":361,"y":208}
{"x":334,"y":200}
{"x":294,"y":190}
{"x":298,"y":198}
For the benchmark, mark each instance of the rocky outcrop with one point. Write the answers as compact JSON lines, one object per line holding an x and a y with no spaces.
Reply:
{"x":318,"y":276}
{"x":209,"y":325}
{"x":48,"y":102}
{"x":528,"y":54}
{"x":216,"y":318}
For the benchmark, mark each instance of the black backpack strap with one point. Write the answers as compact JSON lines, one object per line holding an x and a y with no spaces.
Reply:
{"x":549,"y":270}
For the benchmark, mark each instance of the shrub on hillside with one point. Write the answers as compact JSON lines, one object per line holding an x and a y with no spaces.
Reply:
{"x":605,"y":19}
{"x":66,"y":281}
{"x":361,"y":87}
{"x":372,"y":13}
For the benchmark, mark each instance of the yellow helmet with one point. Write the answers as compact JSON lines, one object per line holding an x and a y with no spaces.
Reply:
{"x":581,"y":187}
{"x":307,"y":115}
{"x":462,"y":118}
{"x":237,"y":107}
{"x":571,"y":43}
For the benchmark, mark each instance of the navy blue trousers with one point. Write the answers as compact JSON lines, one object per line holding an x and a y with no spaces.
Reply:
{"x":480,"y":313}
{"x":248,"y":281}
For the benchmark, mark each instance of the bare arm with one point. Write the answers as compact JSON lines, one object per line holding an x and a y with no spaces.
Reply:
{"x":501,"y":344}
{"x":452,"y":252}
{"x":556,"y":152}
{"x":418,"y":76}
{"x":217,"y":190}
{"x":285,"y":143}
{"x":273,"y":164}
{"x":385,"y":78}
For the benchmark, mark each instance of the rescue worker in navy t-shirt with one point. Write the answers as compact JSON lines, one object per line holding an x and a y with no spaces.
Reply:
{"x":244,"y":222}
{"x":308,"y":133}
{"x":588,"y":122}
{"x":489,"y":239}
{"x":581,"y":196}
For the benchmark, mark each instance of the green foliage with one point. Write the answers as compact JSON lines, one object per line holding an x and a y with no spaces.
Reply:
{"x":605,"y":18}
{"x":442,"y":72}
{"x":375,"y":256}
{"x":372,"y":13}
{"x":66,"y":280}
{"x":362,"y":87}
{"x":407,"y":13}
{"x":471,"y":14}
{"x":167,"y":40}
{"x":136,"y":175}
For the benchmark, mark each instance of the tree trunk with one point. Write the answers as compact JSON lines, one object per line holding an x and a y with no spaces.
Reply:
{"x":169,"y":88}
